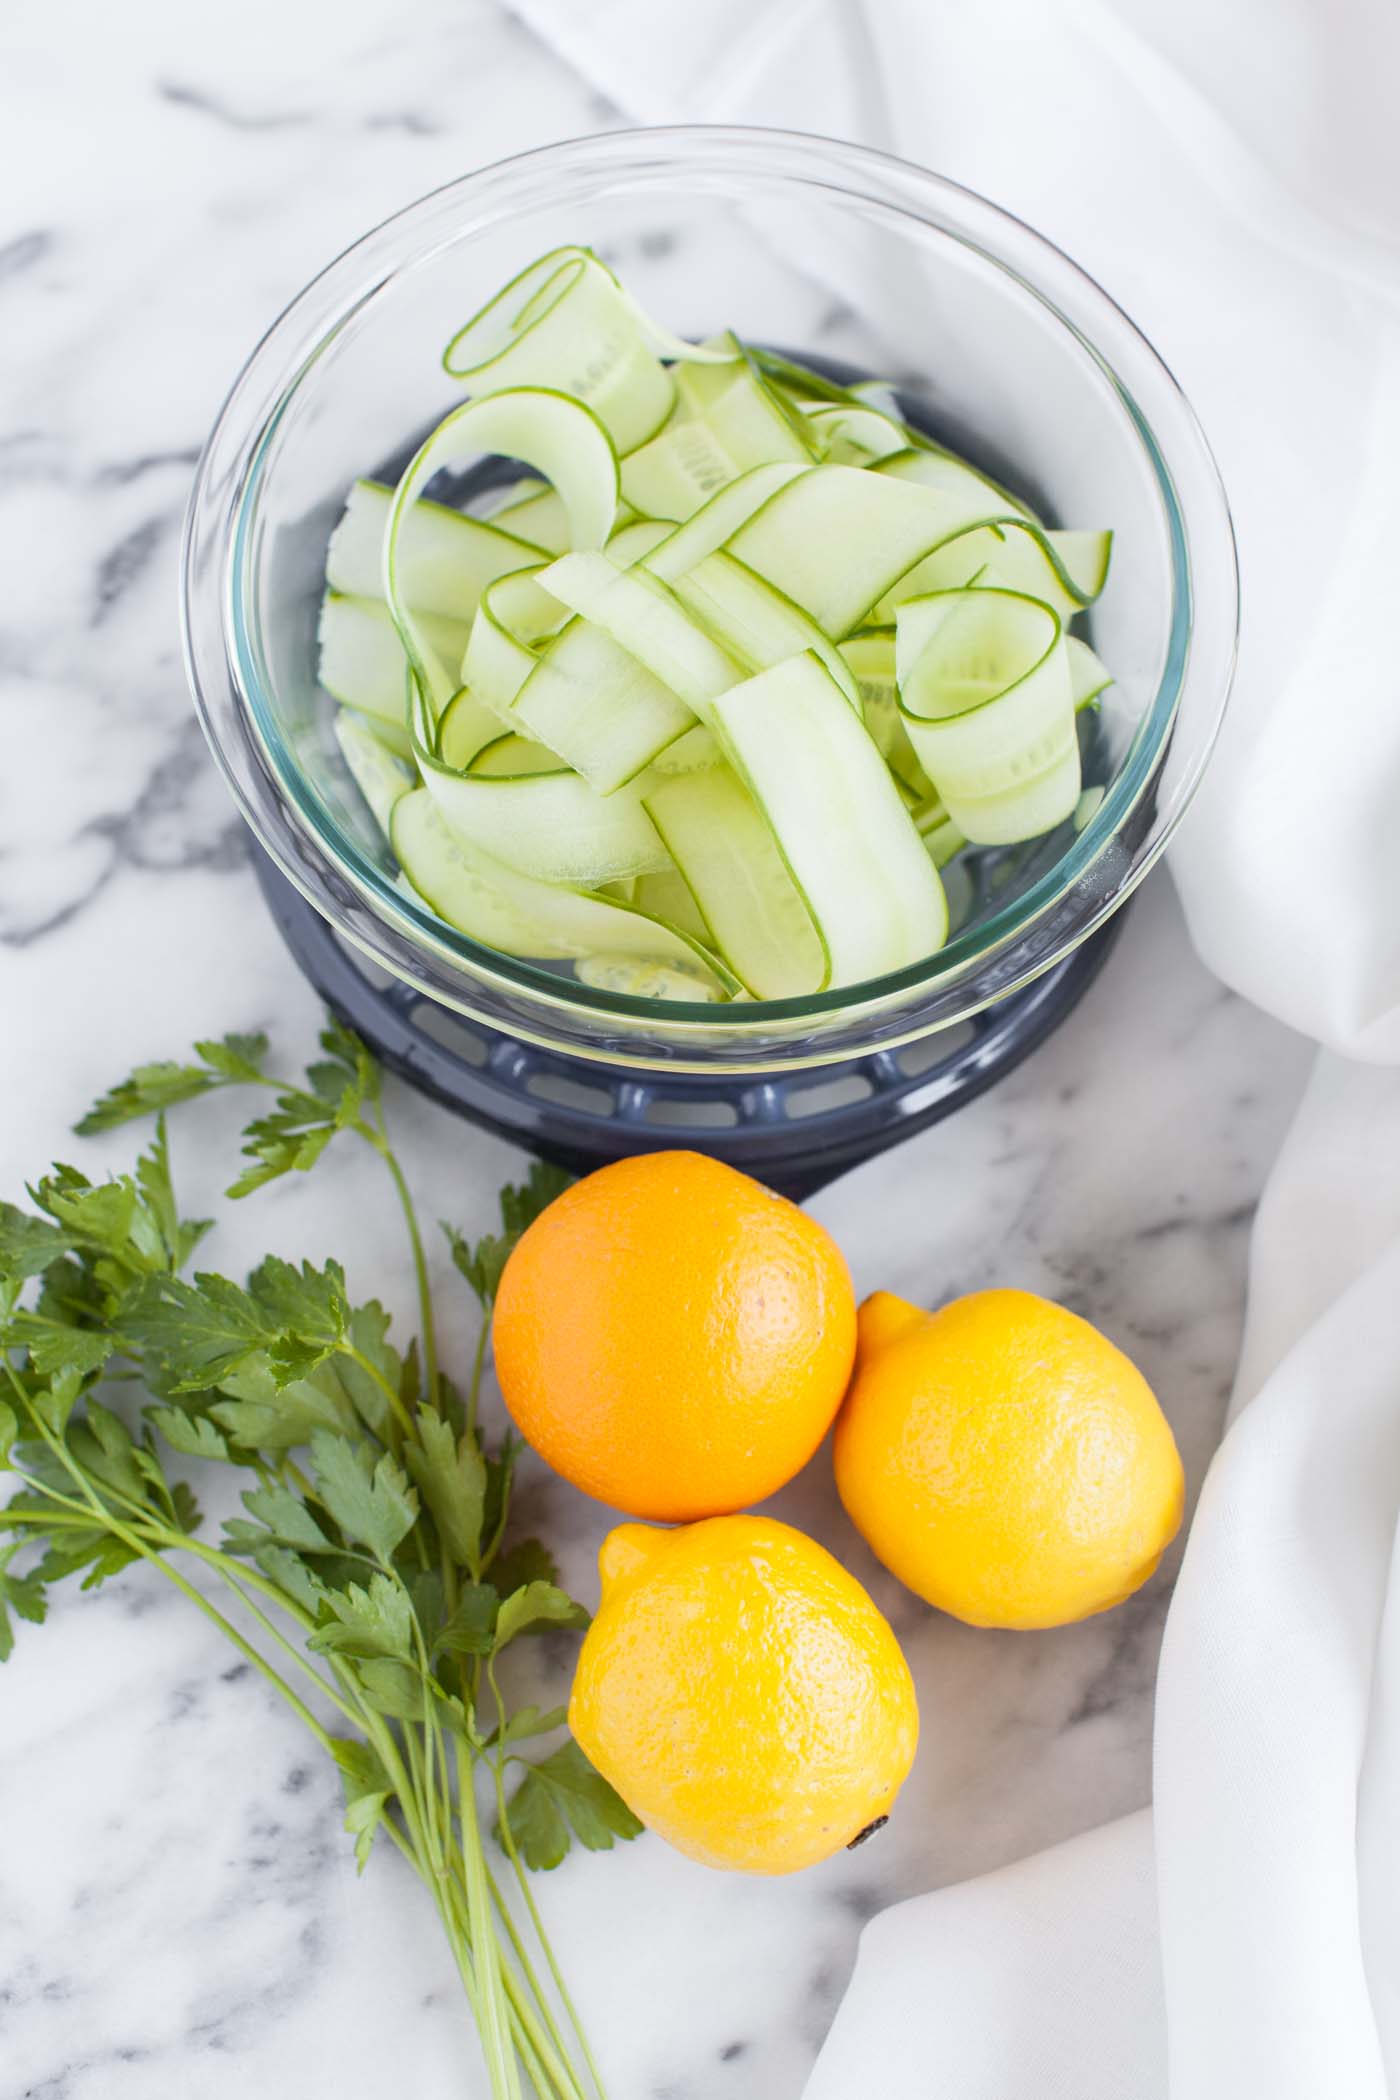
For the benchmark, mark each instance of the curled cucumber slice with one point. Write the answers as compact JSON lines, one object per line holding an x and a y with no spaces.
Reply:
{"x":869,"y":659}
{"x":362,"y":661}
{"x":849,"y":433}
{"x":565,"y":322}
{"x":883,"y":529}
{"x":539,"y":517}
{"x":645,"y":619}
{"x":559,"y":437}
{"x":718,"y":520}
{"x":626,"y":679}
{"x":727,"y":420}
{"x":935,"y":469}
{"x":691,"y":753}
{"x":752,"y":911}
{"x":1088,"y":677}
{"x":467,"y":729}
{"x":793,"y":739}
{"x":545,"y":921}
{"x":755,"y":623}
{"x":599,"y":707}
{"x":514,"y":617}
{"x":987,"y":697}
{"x":446,"y":559}
{"x":1067,"y":570}
{"x":548,"y":825}
{"x":667,"y":895}
{"x":639,"y":978}
{"x":509,"y":757}
{"x":381,"y":776}
{"x":702,"y":697}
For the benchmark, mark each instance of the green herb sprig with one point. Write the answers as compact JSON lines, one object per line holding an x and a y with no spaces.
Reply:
{"x":369,"y":1568}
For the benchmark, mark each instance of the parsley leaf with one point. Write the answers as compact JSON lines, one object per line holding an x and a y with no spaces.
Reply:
{"x":262,"y":1415}
{"x":363,"y":1817}
{"x":198,"y":1331}
{"x":163,"y":1084}
{"x":178,"y":1236}
{"x":562,"y":1798}
{"x":235,"y":1057}
{"x":368,"y":1332}
{"x":368,"y":1793}
{"x":292,"y":1137}
{"x":483,"y":1262}
{"x":523,"y":1202}
{"x":372,"y":1504}
{"x":306,"y":1311}
{"x":530,"y":1610}
{"x":525,"y":1722}
{"x":193,"y":1435}
{"x":24,"y":1595}
{"x":149,"y":1089}
{"x":286,"y":1518}
{"x":54,"y":1348}
{"x":203,"y":1331}
{"x":470,"y":1629}
{"x":29,"y":1245}
{"x":451,"y":1477}
{"x":528,"y":1561}
{"x":374,"y":1620}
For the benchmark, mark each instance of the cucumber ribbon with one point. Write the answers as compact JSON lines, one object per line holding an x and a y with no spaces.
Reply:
{"x":738,"y":663}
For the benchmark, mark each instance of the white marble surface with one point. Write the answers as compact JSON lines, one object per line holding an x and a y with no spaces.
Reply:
{"x":179,"y":1918}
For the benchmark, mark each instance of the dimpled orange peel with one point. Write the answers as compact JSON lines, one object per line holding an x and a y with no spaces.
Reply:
{"x":743,"y":1694}
{"x":1004,"y":1459}
{"x":674,"y":1338}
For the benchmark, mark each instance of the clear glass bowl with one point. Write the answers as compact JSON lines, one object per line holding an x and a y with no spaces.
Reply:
{"x":999,"y":344}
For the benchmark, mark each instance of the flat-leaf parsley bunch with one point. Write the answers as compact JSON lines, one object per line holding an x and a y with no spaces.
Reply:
{"x":370,"y":1568}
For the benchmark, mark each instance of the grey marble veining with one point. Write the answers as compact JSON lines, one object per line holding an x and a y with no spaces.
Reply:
{"x":179,"y":1914}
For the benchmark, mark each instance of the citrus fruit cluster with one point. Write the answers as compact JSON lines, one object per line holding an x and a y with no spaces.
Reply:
{"x":677,"y":1341}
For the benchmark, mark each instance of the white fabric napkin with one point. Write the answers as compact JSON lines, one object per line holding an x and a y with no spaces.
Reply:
{"x":1232,"y":175}
{"x":1262,"y":1956}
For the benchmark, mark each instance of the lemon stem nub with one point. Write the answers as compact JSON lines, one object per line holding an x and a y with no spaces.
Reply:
{"x":868,"y":1832}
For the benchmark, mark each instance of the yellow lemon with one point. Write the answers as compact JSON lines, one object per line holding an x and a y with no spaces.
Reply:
{"x":742,"y":1693}
{"x":1004,"y":1459}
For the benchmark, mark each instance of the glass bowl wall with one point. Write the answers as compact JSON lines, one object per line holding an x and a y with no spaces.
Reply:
{"x":999,"y":345}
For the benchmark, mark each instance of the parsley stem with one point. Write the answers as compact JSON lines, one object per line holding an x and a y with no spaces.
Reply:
{"x":500,"y":2055}
{"x":478,"y":1367}
{"x":537,"y":2020}
{"x":551,"y":2076}
{"x":158,"y":1559}
{"x":245,"y":1648}
{"x":523,"y":1883}
{"x":292,"y":1471}
{"x":236,"y":1581}
{"x":379,"y":1138}
{"x":372,"y":1371}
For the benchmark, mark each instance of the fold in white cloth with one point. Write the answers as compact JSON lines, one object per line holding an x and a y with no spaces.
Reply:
{"x":1263,"y":1956}
{"x":1232,"y":174}
{"x":1277,"y":1759}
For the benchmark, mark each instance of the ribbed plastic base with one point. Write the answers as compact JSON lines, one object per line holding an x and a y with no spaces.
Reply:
{"x":795,"y":1132}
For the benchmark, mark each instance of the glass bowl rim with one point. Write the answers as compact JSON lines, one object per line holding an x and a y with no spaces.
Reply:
{"x":399,"y":916}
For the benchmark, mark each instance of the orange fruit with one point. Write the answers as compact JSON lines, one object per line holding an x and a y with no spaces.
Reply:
{"x":1004,"y":1459}
{"x":674,"y":1338}
{"x":743,"y":1694}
